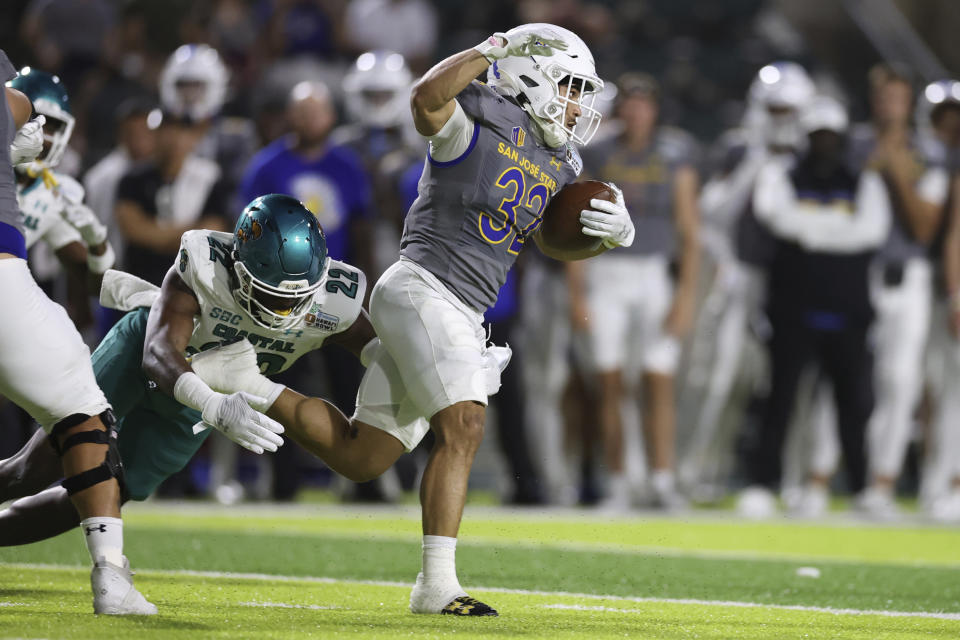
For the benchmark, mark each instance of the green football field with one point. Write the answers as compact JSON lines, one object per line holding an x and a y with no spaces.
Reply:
{"x":312,"y":571}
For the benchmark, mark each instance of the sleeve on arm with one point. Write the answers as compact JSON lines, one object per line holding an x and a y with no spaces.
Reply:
{"x":454,"y":138}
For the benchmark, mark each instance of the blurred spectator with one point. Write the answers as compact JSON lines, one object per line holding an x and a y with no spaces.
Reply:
{"x":161,"y":199}
{"x":938,"y":119}
{"x":632,"y":310}
{"x":901,"y":284}
{"x":739,"y":247}
{"x":194,"y":85}
{"x":328,"y":179}
{"x":828,"y":221}
{"x":409,"y":27}
{"x":136,"y":143}
{"x":380,"y":131}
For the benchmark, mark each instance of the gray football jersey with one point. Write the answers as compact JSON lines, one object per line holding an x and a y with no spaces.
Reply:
{"x":900,"y":245}
{"x":9,"y":211}
{"x":473,"y":214}
{"x":646,"y":178}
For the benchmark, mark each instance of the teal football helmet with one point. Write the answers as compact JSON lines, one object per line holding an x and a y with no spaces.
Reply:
{"x":49,"y":97}
{"x":280,"y":260}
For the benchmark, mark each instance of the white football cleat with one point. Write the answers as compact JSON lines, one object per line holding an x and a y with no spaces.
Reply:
{"x":445,"y":598}
{"x":946,"y":508}
{"x":757,"y":503}
{"x":114,"y":593}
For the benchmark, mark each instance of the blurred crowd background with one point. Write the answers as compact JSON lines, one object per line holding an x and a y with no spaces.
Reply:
{"x":785,"y":326}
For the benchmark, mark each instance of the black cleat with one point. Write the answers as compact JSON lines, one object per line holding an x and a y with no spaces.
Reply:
{"x":467,"y":606}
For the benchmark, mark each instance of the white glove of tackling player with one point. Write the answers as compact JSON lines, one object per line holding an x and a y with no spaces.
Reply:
{"x":233,"y":416}
{"x":233,"y":367}
{"x":230,"y":414}
{"x":83,"y":219}
{"x":28,"y":143}
{"x":609,"y":221}
{"x":500,"y":45}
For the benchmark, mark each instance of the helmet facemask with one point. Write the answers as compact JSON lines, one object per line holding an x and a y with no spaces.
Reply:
{"x":297,"y":293}
{"x":545,"y":86}
{"x":56,"y":131}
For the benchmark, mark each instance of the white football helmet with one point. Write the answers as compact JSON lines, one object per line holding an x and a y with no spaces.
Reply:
{"x":193,"y":83}
{"x":824,"y":113}
{"x":377,"y":89}
{"x":776,"y":96}
{"x":535,"y":82}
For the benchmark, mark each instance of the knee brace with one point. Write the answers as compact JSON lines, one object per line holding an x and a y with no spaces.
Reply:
{"x":111,"y":467}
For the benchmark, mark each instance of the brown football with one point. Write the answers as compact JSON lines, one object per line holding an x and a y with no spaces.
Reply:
{"x":561,"y":228}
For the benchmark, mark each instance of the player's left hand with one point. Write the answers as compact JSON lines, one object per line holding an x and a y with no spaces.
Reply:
{"x":609,"y":221}
{"x":28,"y":143}
{"x":500,"y":46}
{"x":83,"y":219}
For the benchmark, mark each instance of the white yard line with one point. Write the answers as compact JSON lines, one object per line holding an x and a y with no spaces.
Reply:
{"x":564,"y":594}
{"x":286,"y":605}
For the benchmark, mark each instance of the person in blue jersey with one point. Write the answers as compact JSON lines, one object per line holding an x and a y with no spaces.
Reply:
{"x":328,"y":179}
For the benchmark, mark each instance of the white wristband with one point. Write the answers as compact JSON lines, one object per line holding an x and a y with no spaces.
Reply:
{"x":193,"y":392}
{"x":99,"y":264}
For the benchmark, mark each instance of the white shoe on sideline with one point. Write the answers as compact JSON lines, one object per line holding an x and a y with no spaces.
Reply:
{"x":114,"y":593}
{"x":813,"y":502}
{"x":756,"y":503}
{"x":946,"y":508}
{"x":878,"y":504}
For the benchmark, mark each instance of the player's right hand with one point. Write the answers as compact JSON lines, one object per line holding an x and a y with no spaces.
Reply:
{"x":499,"y":46}
{"x":233,"y":416}
{"x":28,"y":143}
{"x":83,"y":219}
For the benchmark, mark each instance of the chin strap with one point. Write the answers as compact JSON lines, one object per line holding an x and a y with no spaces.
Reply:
{"x":551,"y":132}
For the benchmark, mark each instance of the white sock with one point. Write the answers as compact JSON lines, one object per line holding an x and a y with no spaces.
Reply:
{"x":439,"y":559}
{"x":662,"y":481}
{"x":104,"y":538}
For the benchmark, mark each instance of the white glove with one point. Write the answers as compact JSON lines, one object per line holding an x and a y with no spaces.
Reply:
{"x":28,"y":143}
{"x":83,"y":219}
{"x":233,"y":367}
{"x":499,"y":46}
{"x":232,"y":416}
{"x":609,"y":221}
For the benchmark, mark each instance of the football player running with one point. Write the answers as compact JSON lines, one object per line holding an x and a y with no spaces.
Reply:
{"x":52,"y":202}
{"x":45,"y":369}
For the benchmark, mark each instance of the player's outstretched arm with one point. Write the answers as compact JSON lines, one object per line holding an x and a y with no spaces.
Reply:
{"x":169,"y":328}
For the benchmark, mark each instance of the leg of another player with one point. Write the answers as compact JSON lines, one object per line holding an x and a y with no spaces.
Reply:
{"x":34,"y":468}
{"x":38,"y":517}
{"x":659,"y":426}
{"x":353,"y":449}
{"x":610,"y":392}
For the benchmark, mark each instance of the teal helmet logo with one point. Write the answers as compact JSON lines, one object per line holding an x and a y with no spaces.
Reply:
{"x":280,"y":260}
{"x":49,"y":98}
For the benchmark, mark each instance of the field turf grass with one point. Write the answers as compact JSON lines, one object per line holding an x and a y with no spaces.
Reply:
{"x":323,"y":572}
